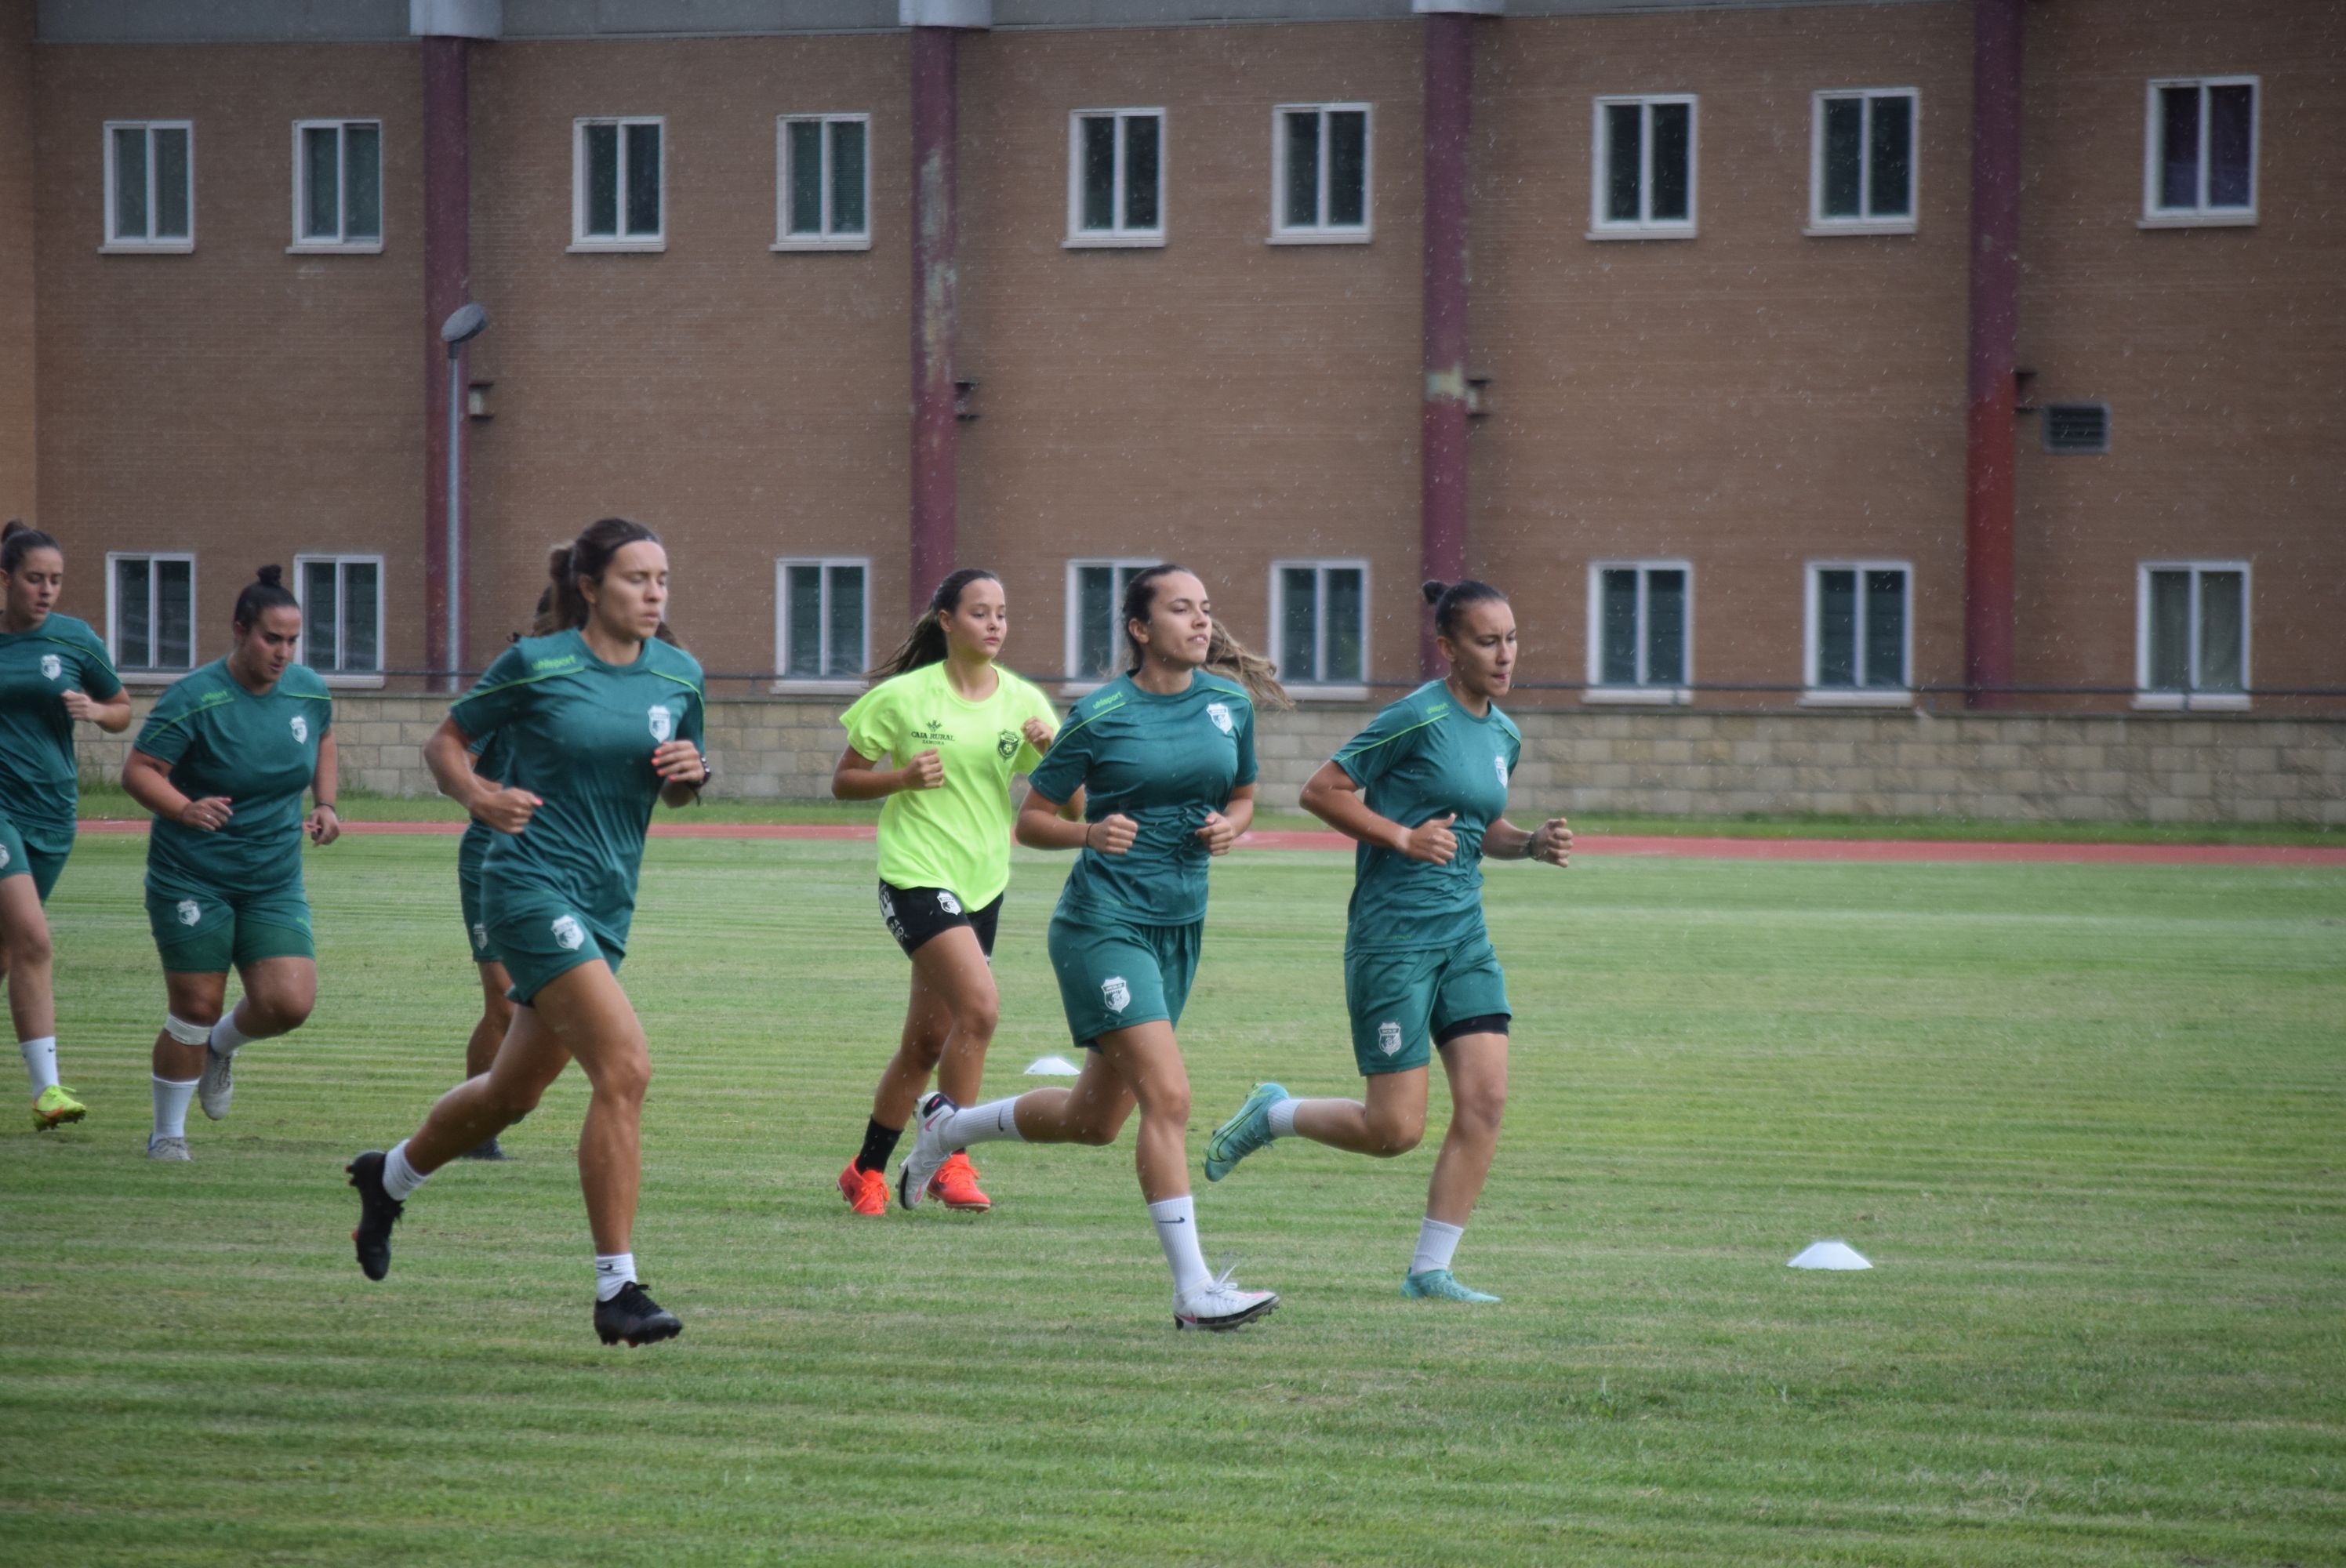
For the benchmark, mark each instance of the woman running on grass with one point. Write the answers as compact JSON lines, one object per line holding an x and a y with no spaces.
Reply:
{"x":1165,"y":753}
{"x":53,"y":671}
{"x":957,"y":726}
{"x":600,"y":720}
{"x":222,"y":761}
{"x":1424,"y":789}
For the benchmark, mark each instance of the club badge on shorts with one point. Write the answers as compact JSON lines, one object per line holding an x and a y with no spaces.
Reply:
{"x":947,"y":902}
{"x":663,"y":723}
{"x":1388,"y":1039}
{"x":190,"y":912}
{"x":569,"y":934}
{"x":1220,"y":712}
{"x":1115,"y":994}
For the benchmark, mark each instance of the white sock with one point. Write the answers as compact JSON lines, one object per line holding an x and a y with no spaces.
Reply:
{"x":613,"y":1272}
{"x":399,"y":1177}
{"x":986,"y":1124}
{"x":171,"y":1097}
{"x":1438,"y":1244}
{"x":41,"y":1063}
{"x":227,"y":1038}
{"x":1282,"y":1119}
{"x":1176,"y":1219}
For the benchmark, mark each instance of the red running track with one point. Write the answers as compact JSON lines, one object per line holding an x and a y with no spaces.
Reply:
{"x":1874,"y":850}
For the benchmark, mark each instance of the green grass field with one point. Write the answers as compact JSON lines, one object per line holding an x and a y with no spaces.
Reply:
{"x":2090,"y":1124}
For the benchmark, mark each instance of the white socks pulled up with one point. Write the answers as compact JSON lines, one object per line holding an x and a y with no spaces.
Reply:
{"x":1176,"y":1219}
{"x":1438,"y":1244}
{"x":992,"y":1122}
{"x":399,"y":1177}
{"x":614,"y":1272}
{"x":40,"y":1063}
{"x":171,"y":1097}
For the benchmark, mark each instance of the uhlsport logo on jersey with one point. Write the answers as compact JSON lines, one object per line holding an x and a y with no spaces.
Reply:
{"x":1115,"y":994}
{"x":947,"y":902}
{"x":1388,"y":1039}
{"x":663,"y":722}
{"x":1220,"y":712}
{"x":52,"y":666}
{"x":1500,"y":764}
{"x":301,"y":730}
{"x":190,"y":912}
{"x":568,"y":933}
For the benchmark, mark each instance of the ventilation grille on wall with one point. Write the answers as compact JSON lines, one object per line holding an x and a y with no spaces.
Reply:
{"x":2077,"y":427}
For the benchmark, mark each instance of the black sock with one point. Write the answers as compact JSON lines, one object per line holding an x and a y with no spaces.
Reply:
{"x":878,"y":1143}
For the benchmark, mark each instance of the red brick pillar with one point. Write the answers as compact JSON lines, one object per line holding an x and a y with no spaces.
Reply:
{"x":1442,"y":431}
{"x":448,"y":280}
{"x":935,"y":315}
{"x":1990,"y":584}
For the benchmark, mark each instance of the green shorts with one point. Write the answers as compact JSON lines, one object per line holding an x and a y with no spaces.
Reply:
{"x":476,"y":924}
{"x":18,"y":859}
{"x":1405,"y":1003}
{"x":200,"y":932}
{"x":1114,"y":974}
{"x":540,"y":935}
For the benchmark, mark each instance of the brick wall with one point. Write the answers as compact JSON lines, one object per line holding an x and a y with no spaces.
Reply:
{"x":2070,"y":768}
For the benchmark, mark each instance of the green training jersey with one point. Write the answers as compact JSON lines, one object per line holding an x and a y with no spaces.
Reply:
{"x":259,"y":749}
{"x":1420,"y":758}
{"x":38,"y":788}
{"x":1165,"y":762}
{"x":580,"y":735}
{"x":956,"y":836}
{"x":491,"y":759}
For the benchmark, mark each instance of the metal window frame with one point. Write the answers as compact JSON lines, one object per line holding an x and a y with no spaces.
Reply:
{"x":2044,"y":429}
{"x":338,"y":676}
{"x":2200,"y":215}
{"x":1320,"y":565}
{"x":622,"y":241}
{"x":828,"y":238}
{"x":1859,"y":695}
{"x":1643,"y":690}
{"x":2191,"y":696}
{"x":341,"y":244}
{"x":147,"y":244}
{"x":148,"y":672}
{"x":1644,"y":226}
{"x":1822,"y":223}
{"x":1322,"y":232}
{"x":826,"y":680}
{"x":1071,"y":651}
{"x":1118,"y":236}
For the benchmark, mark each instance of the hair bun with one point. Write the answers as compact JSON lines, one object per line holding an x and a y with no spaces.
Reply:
{"x":273,"y":576}
{"x":558,"y":565}
{"x":16,"y":526}
{"x":1433,"y":588}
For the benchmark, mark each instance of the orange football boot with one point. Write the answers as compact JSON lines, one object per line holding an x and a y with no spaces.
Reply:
{"x":866,"y":1192}
{"x":956,"y":1185}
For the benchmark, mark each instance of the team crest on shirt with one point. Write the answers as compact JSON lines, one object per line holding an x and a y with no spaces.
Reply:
{"x":1115,"y":994}
{"x":568,"y":933}
{"x":190,"y":912}
{"x":947,"y":902}
{"x":1388,"y":1039}
{"x":1007,"y":743}
{"x":301,"y":730}
{"x":3,"y":857}
{"x":1500,"y":764}
{"x":663,"y":722}
{"x":52,"y":666}
{"x":1220,"y":712}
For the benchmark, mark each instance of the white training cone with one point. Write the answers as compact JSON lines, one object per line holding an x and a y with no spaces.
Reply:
{"x":1829,"y":1254}
{"x":1057,"y":1068}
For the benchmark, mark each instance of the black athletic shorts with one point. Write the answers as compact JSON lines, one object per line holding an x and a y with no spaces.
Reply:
{"x":916,"y":914}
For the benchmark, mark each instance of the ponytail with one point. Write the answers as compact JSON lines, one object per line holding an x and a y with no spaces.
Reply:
{"x":20,"y":539}
{"x":1450,"y":601}
{"x":925,"y":643}
{"x":1225,"y":655}
{"x":585,"y":560}
{"x":266,"y":592}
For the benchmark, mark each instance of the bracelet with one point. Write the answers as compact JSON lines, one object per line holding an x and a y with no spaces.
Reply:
{"x":1087,"y":833}
{"x":327,"y":806}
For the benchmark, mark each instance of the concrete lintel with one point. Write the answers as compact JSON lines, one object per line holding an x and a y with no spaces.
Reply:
{"x":945,"y":12}
{"x":456,"y":18}
{"x":1459,"y":7}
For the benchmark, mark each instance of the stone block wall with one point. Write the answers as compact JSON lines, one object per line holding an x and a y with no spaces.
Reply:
{"x":2166,"y":768}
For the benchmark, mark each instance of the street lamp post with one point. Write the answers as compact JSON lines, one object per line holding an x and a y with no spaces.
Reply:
{"x":461,"y":328}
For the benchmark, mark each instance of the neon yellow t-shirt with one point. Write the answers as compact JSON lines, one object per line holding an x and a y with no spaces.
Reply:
{"x":956,"y":836}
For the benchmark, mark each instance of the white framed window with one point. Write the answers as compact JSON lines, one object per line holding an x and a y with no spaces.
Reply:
{"x":1319,"y":174}
{"x":1116,"y":177}
{"x":1860,"y":641}
{"x":337,"y":186}
{"x":342,"y":617}
{"x":1642,"y":185}
{"x":1641,"y":632}
{"x":823,"y":609}
{"x":1095,"y":650}
{"x":2191,"y":634}
{"x":1319,"y":627}
{"x":618,"y":183}
{"x":150,"y":185}
{"x":2199,"y":151}
{"x":1861,"y":161}
{"x":823,"y":194}
{"x":150,"y":612}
